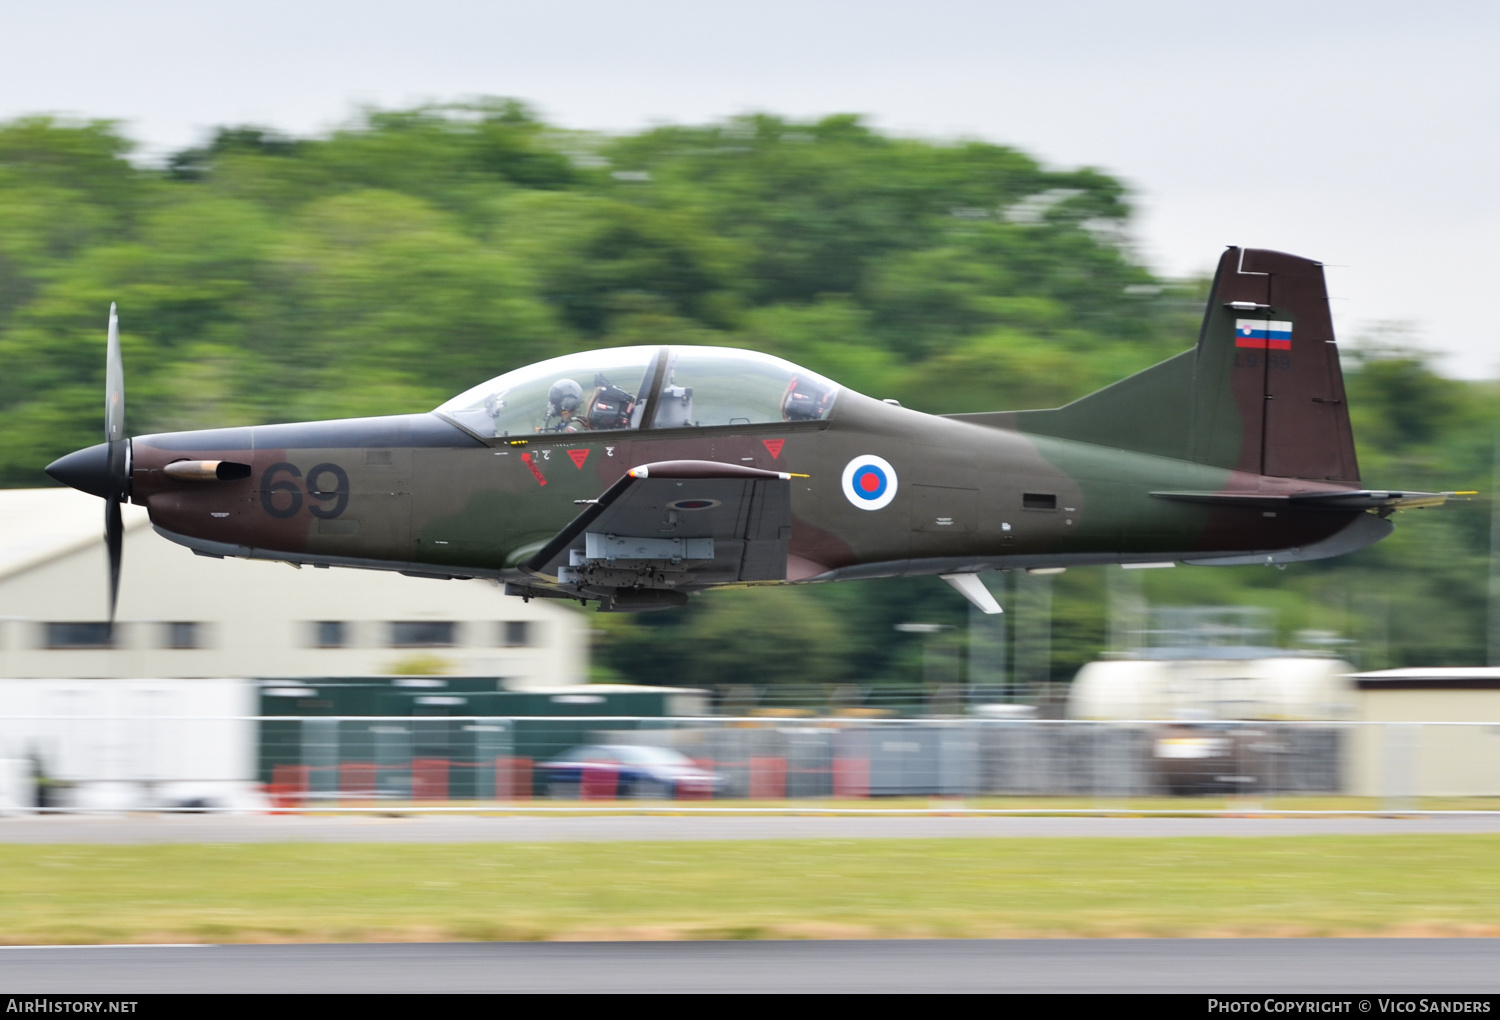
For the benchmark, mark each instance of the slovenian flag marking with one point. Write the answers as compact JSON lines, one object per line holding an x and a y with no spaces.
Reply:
{"x":1263,"y":334}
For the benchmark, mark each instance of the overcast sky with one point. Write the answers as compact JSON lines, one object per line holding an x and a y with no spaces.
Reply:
{"x":1362,"y":134}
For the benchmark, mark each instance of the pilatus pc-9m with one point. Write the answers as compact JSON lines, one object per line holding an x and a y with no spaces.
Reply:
{"x":635,"y":476}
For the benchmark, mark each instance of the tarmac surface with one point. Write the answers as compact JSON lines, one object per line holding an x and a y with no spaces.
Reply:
{"x":210,"y":828}
{"x":1441,"y":968}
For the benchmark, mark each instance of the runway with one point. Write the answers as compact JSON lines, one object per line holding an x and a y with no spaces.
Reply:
{"x":167,"y":828}
{"x":1431,"y":967}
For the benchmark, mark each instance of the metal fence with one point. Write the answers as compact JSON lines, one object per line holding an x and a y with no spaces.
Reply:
{"x":442,"y":763}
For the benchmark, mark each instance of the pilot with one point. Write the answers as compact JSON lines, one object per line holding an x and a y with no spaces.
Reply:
{"x":562,"y":401}
{"x":805,"y":400}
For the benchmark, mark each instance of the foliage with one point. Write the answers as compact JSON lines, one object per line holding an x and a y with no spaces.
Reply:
{"x":391,"y":263}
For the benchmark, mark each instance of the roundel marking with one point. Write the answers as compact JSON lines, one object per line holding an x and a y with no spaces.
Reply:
{"x":869,"y":482}
{"x":694,"y":504}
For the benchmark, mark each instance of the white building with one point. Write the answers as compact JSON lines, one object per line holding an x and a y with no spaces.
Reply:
{"x":182,"y":615}
{"x":1428,"y":732}
{"x":154,"y":711}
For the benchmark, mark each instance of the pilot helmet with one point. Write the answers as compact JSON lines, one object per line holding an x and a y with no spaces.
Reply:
{"x":564,"y":397}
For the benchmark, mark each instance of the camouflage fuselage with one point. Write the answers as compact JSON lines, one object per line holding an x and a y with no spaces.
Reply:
{"x":419,"y":494}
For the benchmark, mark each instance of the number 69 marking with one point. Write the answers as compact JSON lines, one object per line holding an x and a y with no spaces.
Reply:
{"x":282,"y":498}
{"x":317,"y":490}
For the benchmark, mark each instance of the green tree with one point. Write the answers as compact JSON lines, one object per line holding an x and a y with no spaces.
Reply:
{"x":407,"y":255}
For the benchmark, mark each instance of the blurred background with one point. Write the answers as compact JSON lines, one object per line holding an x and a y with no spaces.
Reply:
{"x":277,"y":258}
{"x":385,"y":266}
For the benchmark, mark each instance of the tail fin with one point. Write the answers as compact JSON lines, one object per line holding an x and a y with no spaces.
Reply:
{"x":1262,"y":392}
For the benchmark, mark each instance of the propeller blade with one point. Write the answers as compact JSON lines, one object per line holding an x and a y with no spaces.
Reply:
{"x":114,"y":533}
{"x":118,"y":464}
{"x":114,"y":407}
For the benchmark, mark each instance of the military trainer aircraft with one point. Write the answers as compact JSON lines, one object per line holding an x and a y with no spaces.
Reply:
{"x":634,"y":476}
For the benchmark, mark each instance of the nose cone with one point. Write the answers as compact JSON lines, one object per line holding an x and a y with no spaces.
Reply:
{"x":86,"y":470}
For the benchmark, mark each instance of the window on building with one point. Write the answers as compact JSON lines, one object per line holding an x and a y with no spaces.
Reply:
{"x":515,"y":634}
{"x":80,"y":635}
{"x":330,"y":634}
{"x":182,"y":634}
{"x":423,"y":633}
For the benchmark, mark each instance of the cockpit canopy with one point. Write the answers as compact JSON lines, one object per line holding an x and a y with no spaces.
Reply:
{"x":643,"y":387}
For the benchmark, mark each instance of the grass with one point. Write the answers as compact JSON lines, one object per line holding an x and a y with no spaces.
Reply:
{"x":1387,"y":885}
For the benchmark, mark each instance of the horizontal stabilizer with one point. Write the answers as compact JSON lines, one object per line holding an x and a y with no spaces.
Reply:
{"x":1350,"y":499}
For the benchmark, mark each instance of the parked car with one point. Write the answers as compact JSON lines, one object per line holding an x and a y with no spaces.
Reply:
{"x":1217,"y":758}
{"x":627,"y":770}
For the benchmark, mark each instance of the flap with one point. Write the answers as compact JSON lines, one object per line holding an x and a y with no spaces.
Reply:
{"x":746,"y":513}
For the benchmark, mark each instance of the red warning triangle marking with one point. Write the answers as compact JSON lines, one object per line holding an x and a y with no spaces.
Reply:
{"x":774,"y":446}
{"x":535,"y":471}
{"x":579,"y":456}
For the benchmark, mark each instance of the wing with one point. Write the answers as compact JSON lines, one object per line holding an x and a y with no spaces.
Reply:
{"x":1382,"y":500}
{"x":675,"y":524}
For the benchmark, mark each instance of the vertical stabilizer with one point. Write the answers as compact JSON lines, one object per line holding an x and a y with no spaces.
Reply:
{"x":1269,"y":394}
{"x":1262,"y":392}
